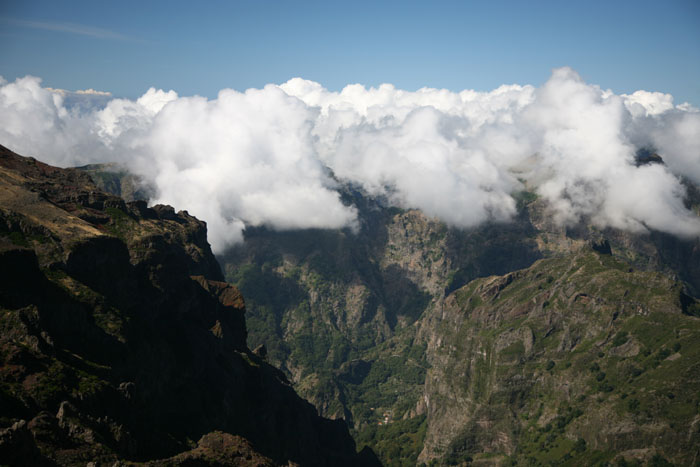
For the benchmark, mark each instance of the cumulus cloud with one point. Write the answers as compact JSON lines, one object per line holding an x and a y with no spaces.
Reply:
{"x":265,"y":156}
{"x":242,"y":158}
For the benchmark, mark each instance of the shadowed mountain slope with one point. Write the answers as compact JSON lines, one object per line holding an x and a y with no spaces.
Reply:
{"x":120,"y":340}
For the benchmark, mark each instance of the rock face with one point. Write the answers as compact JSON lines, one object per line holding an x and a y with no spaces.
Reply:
{"x":120,"y":339}
{"x":573,"y":359}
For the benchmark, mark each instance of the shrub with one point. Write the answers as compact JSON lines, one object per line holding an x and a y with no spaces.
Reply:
{"x":620,"y":338}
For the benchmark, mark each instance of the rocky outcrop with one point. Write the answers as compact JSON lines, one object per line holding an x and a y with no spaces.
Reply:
{"x":120,"y":341}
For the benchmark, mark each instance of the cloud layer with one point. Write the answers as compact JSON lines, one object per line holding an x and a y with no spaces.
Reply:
{"x":274,"y":156}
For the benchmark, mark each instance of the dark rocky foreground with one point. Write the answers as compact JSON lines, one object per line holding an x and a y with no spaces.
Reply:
{"x":121,"y":342}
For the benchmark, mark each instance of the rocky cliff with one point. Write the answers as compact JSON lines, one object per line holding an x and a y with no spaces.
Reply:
{"x":120,"y":340}
{"x":577,"y":359}
{"x":354,"y":319}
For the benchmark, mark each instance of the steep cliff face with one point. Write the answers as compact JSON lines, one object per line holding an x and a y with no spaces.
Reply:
{"x":120,"y":340}
{"x":576,"y":359}
{"x":343,"y":313}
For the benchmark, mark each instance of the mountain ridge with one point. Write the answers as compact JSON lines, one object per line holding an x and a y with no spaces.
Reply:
{"x":121,"y":342}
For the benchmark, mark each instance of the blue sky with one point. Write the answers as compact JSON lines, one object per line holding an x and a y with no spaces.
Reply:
{"x":125,"y":47}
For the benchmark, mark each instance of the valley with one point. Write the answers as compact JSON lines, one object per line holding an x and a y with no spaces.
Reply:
{"x":513,"y":343}
{"x":392,"y":330}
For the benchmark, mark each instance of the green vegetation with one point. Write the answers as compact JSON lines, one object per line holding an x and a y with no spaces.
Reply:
{"x":52,"y":383}
{"x":515,"y":350}
{"x":376,"y":381}
{"x":635,"y":371}
{"x":18,"y":239}
{"x":108,"y":181}
{"x":524,"y":198}
{"x":620,"y":339}
{"x":550,"y":444}
{"x":398,"y":443}
{"x":121,"y":223}
{"x":24,"y":240}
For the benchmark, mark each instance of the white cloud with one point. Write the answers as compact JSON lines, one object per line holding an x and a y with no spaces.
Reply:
{"x":261,"y":156}
{"x":678,"y":139}
{"x":642,"y":103}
